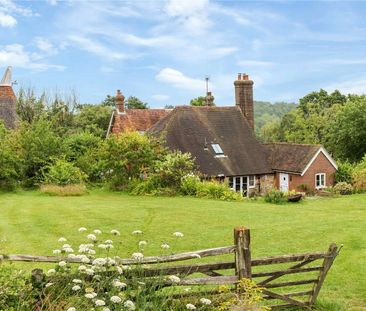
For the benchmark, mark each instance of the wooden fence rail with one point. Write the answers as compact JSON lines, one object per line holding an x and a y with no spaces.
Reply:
{"x":230,"y":272}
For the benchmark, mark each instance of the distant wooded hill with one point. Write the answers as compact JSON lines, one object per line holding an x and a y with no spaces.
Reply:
{"x":266,"y":113}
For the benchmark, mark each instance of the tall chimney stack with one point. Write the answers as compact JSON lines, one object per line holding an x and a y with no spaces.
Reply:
{"x":244,"y":97}
{"x":120,"y":102}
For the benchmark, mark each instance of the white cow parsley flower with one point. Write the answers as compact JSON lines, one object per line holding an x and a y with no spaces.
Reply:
{"x":91,"y":237}
{"x":62,"y":264}
{"x":99,"y":262}
{"x":190,"y":306}
{"x":165,"y":246}
{"x":108,"y":242}
{"x":62,"y":239}
{"x":142,"y":244}
{"x":100,"y":303}
{"x":89,"y":295}
{"x":118,"y":284}
{"x":115,"y":232}
{"x":71,"y":309}
{"x":205,"y":301}
{"x":174,"y":279}
{"x":137,"y":232}
{"x":178,"y":234}
{"x":137,"y":256}
{"x":76,"y":288}
{"x":129,"y":305}
{"x":56,"y":251}
{"x":77,"y":281}
{"x":97,"y":231}
{"x":82,"y":229}
{"x":51,"y":271}
{"x":116,"y":299}
{"x":103,"y":246}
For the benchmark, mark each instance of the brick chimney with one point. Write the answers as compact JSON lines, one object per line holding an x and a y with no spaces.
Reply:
{"x":210,"y":99}
{"x":244,"y":97}
{"x":120,"y":102}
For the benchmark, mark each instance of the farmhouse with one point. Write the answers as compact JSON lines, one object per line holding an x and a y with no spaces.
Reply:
{"x":223,"y":144}
{"x":7,"y":101}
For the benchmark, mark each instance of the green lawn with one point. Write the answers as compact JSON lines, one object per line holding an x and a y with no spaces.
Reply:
{"x":31,"y":223}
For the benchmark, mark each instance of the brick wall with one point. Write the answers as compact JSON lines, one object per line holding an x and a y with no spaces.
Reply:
{"x":320,"y":165}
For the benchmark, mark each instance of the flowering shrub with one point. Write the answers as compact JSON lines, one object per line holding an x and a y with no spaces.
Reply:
{"x":343,"y":188}
{"x":101,"y":282}
{"x":189,"y":184}
{"x":63,"y":173}
{"x":217,"y":190}
{"x":275,"y":196}
{"x":170,"y":170}
{"x":359,"y":180}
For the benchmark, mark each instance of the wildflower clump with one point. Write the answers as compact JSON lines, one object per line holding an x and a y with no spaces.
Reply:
{"x":91,"y":276}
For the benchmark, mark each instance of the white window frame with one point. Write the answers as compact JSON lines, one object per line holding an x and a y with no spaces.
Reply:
{"x":324,"y":185}
{"x":251,"y":183}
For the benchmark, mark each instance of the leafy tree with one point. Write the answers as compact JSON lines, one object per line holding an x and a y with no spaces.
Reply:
{"x":131,"y":103}
{"x":128,"y":155}
{"x":29,"y":107}
{"x":83,"y":149}
{"x":199,"y":101}
{"x":109,"y":101}
{"x":37,"y":145}
{"x":348,"y":131}
{"x":11,"y":167}
{"x":93,"y":118}
{"x":135,"y":103}
{"x":267,"y":117}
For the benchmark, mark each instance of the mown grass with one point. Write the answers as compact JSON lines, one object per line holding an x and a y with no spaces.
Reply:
{"x":31,"y":222}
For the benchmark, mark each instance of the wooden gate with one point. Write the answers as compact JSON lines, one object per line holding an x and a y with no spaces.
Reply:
{"x":280,"y":277}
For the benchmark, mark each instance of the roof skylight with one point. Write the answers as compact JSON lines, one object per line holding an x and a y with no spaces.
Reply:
{"x":217,"y":149}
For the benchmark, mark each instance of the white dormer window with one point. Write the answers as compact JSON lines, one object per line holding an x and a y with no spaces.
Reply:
{"x":217,"y":149}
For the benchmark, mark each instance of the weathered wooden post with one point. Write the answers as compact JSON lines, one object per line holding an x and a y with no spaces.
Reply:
{"x":243,"y":266}
{"x":327,"y":263}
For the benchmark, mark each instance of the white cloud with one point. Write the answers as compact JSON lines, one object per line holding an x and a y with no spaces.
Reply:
{"x":160,"y":97}
{"x":9,"y":6}
{"x":179,"y":80}
{"x":52,"y":2}
{"x":191,"y":14}
{"x":15,"y":55}
{"x":97,"y":48}
{"x":254,"y":63}
{"x":45,"y":45}
{"x":7,"y":20}
{"x":355,"y":86}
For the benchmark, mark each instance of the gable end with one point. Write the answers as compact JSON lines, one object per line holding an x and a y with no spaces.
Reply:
{"x":326,"y":154}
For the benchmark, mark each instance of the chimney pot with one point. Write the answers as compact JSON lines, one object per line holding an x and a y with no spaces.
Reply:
{"x":239,"y":76}
{"x":245,"y":77}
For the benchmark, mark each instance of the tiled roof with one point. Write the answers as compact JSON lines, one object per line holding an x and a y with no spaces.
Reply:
{"x":196,"y":129}
{"x":137,"y":119}
{"x":8,"y":106}
{"x":290,"y":157}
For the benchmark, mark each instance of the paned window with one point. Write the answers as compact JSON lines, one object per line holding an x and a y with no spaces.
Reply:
{"x":320,"y":180}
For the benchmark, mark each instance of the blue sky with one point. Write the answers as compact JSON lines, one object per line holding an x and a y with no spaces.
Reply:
{"x":160,"y":51}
